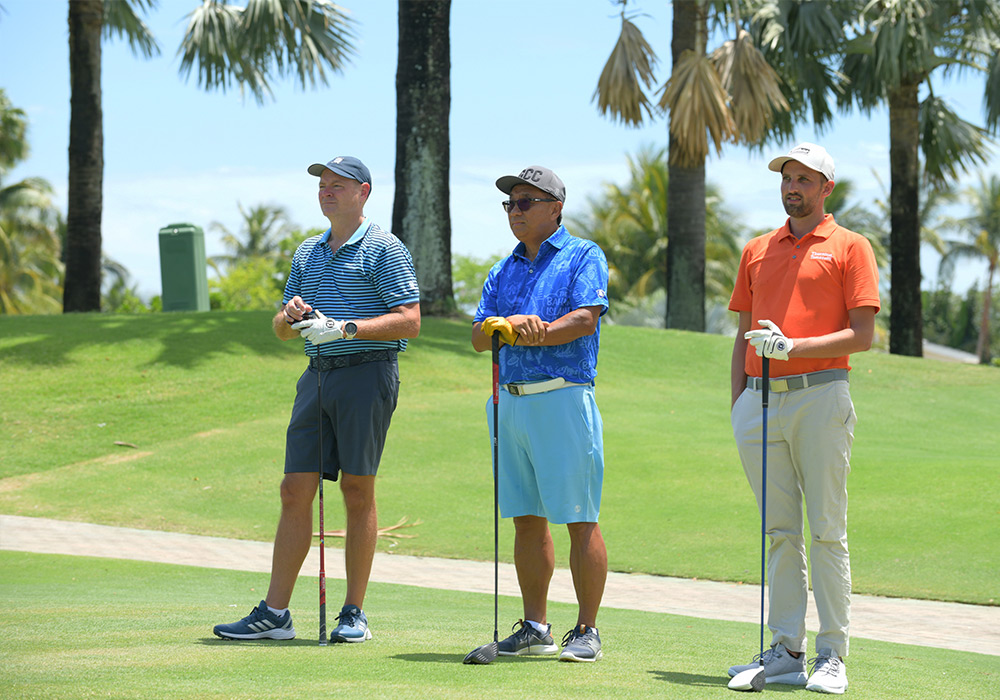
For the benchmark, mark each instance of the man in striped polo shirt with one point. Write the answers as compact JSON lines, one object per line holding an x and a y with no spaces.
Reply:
{"x":358,"y":282}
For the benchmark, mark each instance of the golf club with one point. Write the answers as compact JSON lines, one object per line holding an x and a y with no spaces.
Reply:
{"x":322,"y":529}
{"x":754,"y":679}
{"x":488,"y":652}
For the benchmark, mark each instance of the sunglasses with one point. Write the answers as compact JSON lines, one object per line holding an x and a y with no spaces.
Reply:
{"x":524,"y":204}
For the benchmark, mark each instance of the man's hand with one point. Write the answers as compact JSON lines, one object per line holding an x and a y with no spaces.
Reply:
{"x":770,"y":341}
{"x":499,"y":323}
{"x":321,"y":329}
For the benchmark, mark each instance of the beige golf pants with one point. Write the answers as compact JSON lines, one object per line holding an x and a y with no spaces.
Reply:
{"x":809,"y":436}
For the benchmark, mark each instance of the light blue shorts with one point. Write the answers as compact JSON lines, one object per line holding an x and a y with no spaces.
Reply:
{"x":551,"y":450}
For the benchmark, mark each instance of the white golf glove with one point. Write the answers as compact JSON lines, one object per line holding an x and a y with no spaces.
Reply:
{"x":769,"y":341}
{"x":321,"y":329}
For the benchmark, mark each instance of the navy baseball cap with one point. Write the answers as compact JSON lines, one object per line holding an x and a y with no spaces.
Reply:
{"x":346,"y":166}
{"x":536,"y":176}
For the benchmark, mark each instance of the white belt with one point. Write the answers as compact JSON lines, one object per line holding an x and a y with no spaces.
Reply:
{"x":529,"y":388}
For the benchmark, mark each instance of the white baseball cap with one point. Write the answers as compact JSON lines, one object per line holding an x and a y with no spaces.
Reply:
{"x":810,"y":155}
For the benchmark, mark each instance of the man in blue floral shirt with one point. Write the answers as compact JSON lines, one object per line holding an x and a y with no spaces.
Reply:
{"x":546,"y":299}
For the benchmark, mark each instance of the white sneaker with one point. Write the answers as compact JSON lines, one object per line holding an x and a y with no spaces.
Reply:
{"x":828,"y":675}
{"x":779,"y":666}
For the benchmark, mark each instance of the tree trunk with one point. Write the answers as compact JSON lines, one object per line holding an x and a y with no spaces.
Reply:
{"x":82,"y":287}
{"x":686,"y":200}
{"x":983,"y":343}
{"x":421,"y":215}
{"x":905,"y":321}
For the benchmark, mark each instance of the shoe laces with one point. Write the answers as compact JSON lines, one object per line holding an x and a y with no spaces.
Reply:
{"x":826,"y":664}
{"x":349,"y":617}
{"x":573,"y":634}
{"x":766,"y":657}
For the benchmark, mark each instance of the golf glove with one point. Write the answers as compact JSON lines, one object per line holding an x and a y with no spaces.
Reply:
{"x":769,"y":341}
{"x":499,"y":323}
{"x":321,"y":329}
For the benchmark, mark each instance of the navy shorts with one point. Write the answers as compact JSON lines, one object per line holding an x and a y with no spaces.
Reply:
{"x":358,"y":403}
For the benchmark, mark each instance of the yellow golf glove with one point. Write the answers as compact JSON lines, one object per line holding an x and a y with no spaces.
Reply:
{"x":499,"y":323}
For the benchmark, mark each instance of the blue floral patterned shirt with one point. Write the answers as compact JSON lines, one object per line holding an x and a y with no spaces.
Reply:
{"x":568,"y":273}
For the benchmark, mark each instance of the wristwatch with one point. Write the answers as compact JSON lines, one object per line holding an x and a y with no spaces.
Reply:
{"x":350,"y":330}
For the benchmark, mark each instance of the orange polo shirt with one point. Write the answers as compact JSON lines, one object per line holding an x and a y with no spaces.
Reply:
{"x":806,"y":286}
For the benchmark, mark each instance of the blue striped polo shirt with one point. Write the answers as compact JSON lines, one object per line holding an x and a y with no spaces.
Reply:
{"x":369,"y":274}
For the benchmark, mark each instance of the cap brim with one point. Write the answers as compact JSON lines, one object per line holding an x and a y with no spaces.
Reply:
{"x":316,"y":169}
{"x":778,"y":163}
{"x":509,"y":182}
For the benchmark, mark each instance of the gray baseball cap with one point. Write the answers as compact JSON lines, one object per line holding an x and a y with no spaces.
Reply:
{"x":536,"y":176}
{"x":810,"y":155}
{"x":345,"y":166}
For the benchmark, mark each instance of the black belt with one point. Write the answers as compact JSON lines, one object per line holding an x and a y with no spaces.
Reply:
{"x":324,"y":363}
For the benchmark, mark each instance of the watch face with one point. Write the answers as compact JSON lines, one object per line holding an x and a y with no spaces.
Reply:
{"x":350,"y":329}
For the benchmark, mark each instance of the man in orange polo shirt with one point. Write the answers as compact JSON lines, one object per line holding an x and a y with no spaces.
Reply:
{"x":807,"y":295}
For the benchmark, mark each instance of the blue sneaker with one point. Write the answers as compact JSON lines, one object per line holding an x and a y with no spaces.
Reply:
{"x":353,"y":626}
{"x":261,"y":623}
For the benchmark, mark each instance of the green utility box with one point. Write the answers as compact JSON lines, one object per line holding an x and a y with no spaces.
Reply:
{"x":183,"y":268}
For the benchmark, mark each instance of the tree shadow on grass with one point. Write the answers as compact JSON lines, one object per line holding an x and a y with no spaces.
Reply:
{"x":182,"y":339}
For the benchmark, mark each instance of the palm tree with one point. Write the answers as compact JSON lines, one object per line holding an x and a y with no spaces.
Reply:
{"x":898,"y":47}
{"x":264,"y":228}
{"x":888,"y":51}
{"x":730,"y":96}
{"x":630,"y":224}
{"x":30,"y":266}
{"x":983,"y":230}
{"x":225,"y":45}
{"x":420,"y":211}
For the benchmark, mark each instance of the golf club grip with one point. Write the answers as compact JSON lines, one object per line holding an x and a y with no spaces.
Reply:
{"x":765,"y":378}
{"x":496,"y":366}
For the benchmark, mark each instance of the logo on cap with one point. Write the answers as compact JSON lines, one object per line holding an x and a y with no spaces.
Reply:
{"x":531,"y":174}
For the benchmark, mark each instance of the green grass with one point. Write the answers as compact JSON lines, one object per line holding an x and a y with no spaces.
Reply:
{"x":77,"y":627}
{"x":205,"y":399}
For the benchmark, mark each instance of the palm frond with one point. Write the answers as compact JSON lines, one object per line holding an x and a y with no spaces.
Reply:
{"x":620,"y":89}
{"x":950,"y":144}
{"x":753,"y":85}
{"x":249,"y":46}
{"x":121,"y":20}
{"x":699,"y":109}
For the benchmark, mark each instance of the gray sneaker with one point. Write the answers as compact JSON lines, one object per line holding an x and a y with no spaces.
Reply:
{"x":779,"y":666}
{"x":581,"y":643}
{"x":828,"y":673}
{"x":527,"y":640}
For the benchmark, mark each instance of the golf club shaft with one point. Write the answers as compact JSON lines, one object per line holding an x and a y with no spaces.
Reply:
{"x":322,"y":529}
{"x":765,"y":384}
{"x":496,"y":484}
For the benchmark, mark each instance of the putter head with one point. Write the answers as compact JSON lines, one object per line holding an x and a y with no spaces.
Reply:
{"x":751,"y":680}
{"x":482,"y":655}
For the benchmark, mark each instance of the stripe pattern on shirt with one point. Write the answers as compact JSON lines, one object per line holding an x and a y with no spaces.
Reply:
{"x":368,"y":275}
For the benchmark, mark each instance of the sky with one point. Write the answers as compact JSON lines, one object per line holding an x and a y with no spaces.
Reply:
{"x":522,"y":83}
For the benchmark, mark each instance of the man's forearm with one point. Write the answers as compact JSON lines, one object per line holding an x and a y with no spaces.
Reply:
{"x":401,"y":322}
